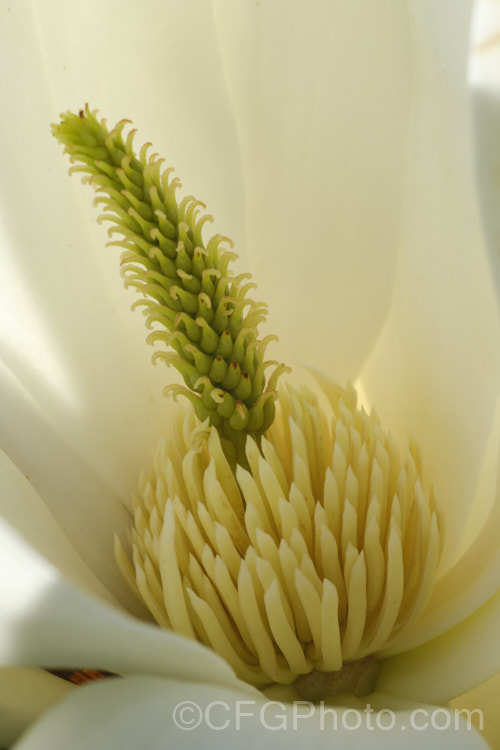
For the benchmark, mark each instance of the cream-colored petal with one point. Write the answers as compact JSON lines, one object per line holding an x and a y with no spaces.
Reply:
{"x":436,"y":367}
{"x":322,"y":103}
{"x":23,"y":509}
{"x":449,"y":665}
{"x":45,"y":620}
{"x":153,"y":713}
{"x":475,"y":577}
{"x":66,"y":333}
{"x":80,"y":502}
{"x":24,"y":695}
{"x":482,"y":703}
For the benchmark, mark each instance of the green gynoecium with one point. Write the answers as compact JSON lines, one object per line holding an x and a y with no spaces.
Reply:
{"x":319,"y":545}
{"x":193,"y":303}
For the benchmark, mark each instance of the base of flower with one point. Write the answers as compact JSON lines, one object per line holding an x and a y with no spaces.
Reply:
{"x":355,"y":677}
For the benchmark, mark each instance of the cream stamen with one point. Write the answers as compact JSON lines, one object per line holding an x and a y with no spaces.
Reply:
{"x":307,"y":563}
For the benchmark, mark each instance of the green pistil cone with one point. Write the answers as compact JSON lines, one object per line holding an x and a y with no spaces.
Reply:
{"x":198,"y":309}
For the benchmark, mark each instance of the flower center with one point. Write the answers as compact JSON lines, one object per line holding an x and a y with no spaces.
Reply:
{"x":295,"y":548}
{"x":318,"y":554}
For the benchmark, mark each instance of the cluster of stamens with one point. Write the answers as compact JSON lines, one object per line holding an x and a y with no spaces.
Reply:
{"x":318,"y":554}
{"x":297,"y":545}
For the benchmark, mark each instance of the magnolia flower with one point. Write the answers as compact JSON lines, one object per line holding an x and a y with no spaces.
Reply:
{"x":335,"y":149}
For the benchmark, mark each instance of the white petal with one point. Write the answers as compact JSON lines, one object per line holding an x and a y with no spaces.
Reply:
{"x":475,"y":577}
{"x":482,"y":702}
{"x":24,"y":695}
{"x":153,"y":714}
{"x":322,"y":102}
{"x":436,"y":368}
{"x":449,"y":665}
{"x":66,"y":333}
{"x":84,"y":506}
{"x":44,"y":620}
{"x":23,"y":509}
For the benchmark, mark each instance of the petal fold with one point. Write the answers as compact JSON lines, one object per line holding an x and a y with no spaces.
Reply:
{"x":153,"y":713}
{"x":81,"y":502}
{"x":23,"y":509}
{"x":482,"y":702}
{"x":475,"y":577}
{"x":45,"y":621}
{"x":435,"y":369}
{"x":449,"y":665}
{"x":25,"y":694}
{"x":322,"y":101}
{"x":66,"y":334}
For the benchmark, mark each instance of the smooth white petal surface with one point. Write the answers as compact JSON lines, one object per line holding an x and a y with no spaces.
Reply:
{"x":441,"y":339}
{"x":87,"y":510}
{"x":484,"y":697}
{"x":46,"y":621}
{"x":442,"y":345}
{"x":24,"y":695}
{"x":475,"y":577}
{"x":23,"y":509}
{"x":142,"y":712}
{"x":322,"y":97}
{"x":435,"y":370}
{"x":451,"y":664}
{"x":66,"y":333}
